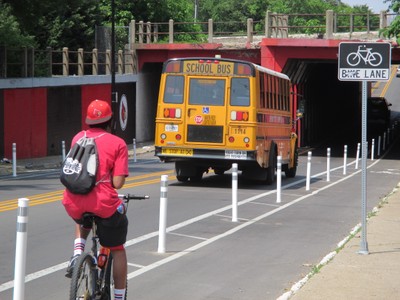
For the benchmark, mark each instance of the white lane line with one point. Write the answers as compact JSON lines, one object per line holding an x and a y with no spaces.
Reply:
{"x":135,"y":265}
{"x":230,"y":217}
{"x":188,"y":236}
{"x":36,"y":275}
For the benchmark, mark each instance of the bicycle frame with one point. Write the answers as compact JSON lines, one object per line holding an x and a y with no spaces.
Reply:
{"x":99,"y":277}
{"x":89,"y":281}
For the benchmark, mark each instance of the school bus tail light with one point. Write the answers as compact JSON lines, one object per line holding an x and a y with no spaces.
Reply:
{"x":173,"y":113}
{"x":231,"y":139}
{"x":239,"y":115}
{"x":178,"y":137}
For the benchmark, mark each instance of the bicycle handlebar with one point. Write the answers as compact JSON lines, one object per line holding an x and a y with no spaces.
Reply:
{"x":128,"y":197}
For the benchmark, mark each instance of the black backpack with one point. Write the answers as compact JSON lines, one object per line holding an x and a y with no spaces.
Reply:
{"x":79,"y":168}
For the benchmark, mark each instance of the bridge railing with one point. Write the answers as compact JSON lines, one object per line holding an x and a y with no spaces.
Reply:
{"x":30,"y":62}
{"x":26,"y":62}
{"x":274,"y":25}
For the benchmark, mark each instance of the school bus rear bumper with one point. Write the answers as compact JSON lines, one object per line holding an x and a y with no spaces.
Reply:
{"x":176,"y":153}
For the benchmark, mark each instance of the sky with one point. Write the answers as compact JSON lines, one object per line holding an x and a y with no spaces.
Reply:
{"x":375,"y":5}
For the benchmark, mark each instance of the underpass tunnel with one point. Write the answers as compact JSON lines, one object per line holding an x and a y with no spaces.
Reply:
{"x":331,"y":107}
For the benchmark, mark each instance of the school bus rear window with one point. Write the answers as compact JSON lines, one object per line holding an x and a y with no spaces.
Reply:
{"x":174,"y":89}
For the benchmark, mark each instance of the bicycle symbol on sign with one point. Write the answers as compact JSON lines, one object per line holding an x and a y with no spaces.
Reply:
{"x":364,"y":53}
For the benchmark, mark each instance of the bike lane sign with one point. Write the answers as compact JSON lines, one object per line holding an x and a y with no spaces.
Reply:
{"x":364,"y":61}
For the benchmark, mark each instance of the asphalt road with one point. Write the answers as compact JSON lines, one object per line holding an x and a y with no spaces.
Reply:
{"x":208,"y":256}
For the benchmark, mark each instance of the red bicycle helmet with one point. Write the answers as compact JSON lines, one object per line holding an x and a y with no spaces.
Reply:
{"x":98,"y":112}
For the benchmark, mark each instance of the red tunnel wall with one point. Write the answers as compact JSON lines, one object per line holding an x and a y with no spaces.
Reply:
{"x":25,"y":121}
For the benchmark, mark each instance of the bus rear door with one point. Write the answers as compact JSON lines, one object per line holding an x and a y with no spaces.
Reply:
{"x":206,"y":112}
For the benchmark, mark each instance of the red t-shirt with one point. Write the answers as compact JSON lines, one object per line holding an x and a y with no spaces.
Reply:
{"x":113,"y":161}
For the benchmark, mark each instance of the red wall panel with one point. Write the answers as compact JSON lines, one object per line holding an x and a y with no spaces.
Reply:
{"x":25,"y":122}
{"x":93,"y":92}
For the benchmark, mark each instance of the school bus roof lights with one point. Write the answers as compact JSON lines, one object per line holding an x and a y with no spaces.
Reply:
{"x":243,"y":69}
{"x":173,"y":67}
{"x":208,"y":61}
{"x":239,"y":115}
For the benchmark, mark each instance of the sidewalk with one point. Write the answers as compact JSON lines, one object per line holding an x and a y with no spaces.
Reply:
{"x":351,"y":275}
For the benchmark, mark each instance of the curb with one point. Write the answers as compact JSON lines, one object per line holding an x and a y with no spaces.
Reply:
{"x":54,"y":162}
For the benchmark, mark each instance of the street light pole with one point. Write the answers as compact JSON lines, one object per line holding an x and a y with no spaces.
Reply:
{"x":114,"y":100}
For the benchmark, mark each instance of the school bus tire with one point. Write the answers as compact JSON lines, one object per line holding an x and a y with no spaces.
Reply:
{"x":219,"y":171}
{"x":291,"y":172}
{"x":272,"y":165}
{"x":198,"y":176}
{"x":182,"y":178}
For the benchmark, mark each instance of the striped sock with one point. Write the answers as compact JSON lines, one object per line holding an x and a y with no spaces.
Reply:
{"x":79,"y":246}
{"x":119,"y":294}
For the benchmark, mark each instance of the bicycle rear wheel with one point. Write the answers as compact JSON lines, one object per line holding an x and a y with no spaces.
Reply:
{"x":83,"y":281}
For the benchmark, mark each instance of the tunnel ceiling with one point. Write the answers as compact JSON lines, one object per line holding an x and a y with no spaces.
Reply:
{"x":332,"y":112}
{"x":299,"y":70}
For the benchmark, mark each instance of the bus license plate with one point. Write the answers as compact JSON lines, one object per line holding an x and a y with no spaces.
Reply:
{"x":177,"y":151}
{"x":171,"y":128}
{"x":235,"y":154}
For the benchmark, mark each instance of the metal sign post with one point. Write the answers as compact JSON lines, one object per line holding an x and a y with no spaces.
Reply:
{"x":364,"y":62}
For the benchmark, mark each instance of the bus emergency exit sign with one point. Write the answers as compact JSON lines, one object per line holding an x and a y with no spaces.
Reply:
{"x":364,"y":61}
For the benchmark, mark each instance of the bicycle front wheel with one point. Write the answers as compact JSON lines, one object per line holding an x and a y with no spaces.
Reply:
{"x":83,"y":281}
{"x":375,"y":59}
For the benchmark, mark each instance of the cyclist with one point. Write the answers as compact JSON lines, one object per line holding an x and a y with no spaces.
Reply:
{"x":103,"y":201}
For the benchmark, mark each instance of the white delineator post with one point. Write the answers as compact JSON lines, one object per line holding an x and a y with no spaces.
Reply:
{"x":308,"y":172}
{"x":14,"y":159}
{"x":328,"y":164}
{"x":372,"y":149}
{"x":345,"y":160}
{"x":63,"y":150}
{"x":134,"y":150}
{"x":20,"y":249}
{"x":278,"y":179}
{"x":234,"y":192}
{"x":162,"y":231}
{"x":358,"y":155}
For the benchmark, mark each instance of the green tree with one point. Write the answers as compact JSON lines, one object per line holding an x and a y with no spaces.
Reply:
{"x":393,"y":30}
{"x":58,"y":23}
{"x":10,"y":32}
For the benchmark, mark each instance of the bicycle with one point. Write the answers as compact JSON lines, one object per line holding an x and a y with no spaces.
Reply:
{"x":91,"y":279}
{"x":365,"y":54}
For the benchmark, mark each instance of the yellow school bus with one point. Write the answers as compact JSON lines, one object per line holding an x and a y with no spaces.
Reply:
{"x":214,"y":112}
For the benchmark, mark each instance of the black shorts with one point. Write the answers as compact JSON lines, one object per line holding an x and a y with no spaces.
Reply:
{"x":111,"y":231}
